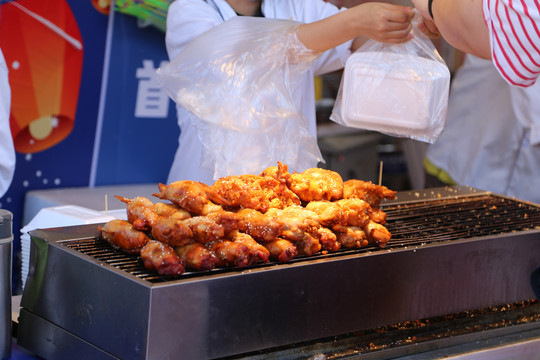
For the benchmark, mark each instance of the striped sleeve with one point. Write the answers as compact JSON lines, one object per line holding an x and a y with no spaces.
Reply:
{"x":514,"y":28}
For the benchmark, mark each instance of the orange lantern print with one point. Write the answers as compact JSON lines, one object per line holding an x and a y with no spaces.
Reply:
{"x":43,"y":48}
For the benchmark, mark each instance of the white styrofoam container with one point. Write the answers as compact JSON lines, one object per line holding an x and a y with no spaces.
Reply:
{"x":393,"y":93}
{"x":59,"y":216}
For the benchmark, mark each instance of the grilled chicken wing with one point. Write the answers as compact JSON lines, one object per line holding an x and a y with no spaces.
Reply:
{"x":140,"y":212}
{"x":302,"y":227}
{"x":281,"y":249}
{"x":367,"y":191}
{"x":230,"y":221}
{"x":377,"y":234}
{"x":120,"y":234}
{"x":252,"y":192}
{"x":262,"y":227}
{"x":330,"y":213}
{"x":197,"y":256}
{"x":378,"y":216}
{"x":259,"y":252}
{"x":295,"y":222}
{"x":205,"y":229}
{"x":172,"y":232}
{"x":328,"y":239}
{"x":232,"y":253}
{"x":352,"y":237}
{"x":171,"y":211}
{"x":356,"y":212}
{"x":189,"y":195}
{"x":308,"y":245}
{"x":244,"y":191}
{"x":317,"y":184}
{"x":162,"y":258}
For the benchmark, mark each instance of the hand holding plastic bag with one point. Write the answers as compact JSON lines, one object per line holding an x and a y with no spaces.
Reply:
{"x":397,"y":89}
{"x":240,"y":80}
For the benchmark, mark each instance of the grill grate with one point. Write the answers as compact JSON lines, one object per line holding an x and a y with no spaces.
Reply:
{"x":411,"y":224}
{"x":459,"y":218}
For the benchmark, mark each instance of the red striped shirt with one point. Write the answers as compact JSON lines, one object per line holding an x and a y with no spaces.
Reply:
{"x":514,"y":28}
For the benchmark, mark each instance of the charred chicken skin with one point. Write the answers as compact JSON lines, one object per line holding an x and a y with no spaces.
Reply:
{"x":162,"y":258}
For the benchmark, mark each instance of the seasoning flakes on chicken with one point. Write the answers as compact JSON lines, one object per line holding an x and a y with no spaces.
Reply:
{"x":330,"y":213}
{"x":205,"y":230}
{"x":243,"y":220}
{"x":355,"y":211}
{"x":262,"y":227}
{"x":197,"y":256}
{"x":173,"y":232}
{"x":317,"y":184}
{"x":162,"y":258}
{"x":232,"y":253}
{"x":252,"y":192}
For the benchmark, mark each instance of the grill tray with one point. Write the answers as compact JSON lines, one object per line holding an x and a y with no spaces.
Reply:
{"x":411,"y":224}
{"x":452,"y":250}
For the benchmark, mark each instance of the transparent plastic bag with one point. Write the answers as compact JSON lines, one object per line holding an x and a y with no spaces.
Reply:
{"x":241,"y":79}
{"x":396,"y":89}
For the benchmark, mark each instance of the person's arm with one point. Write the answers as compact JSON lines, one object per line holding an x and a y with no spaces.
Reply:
{"x":460,"y":22}
{"x":382,"y":22}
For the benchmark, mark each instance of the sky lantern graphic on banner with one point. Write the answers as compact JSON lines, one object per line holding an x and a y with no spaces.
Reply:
{"x":43,"y":48}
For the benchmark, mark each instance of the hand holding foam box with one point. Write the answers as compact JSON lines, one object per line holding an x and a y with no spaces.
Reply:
{"x":397,"y":89}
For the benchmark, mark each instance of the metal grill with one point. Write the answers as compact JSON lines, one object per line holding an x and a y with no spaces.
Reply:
{"x":459,"y":218}
{"x":411,"y":224}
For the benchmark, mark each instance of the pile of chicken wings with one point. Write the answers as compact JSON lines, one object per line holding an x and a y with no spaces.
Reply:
{"x":243,"y":220}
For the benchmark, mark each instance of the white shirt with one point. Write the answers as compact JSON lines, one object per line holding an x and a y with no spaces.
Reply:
{"x":189,"y":18}
{"x":491,"y":140}
{"x":7,"y":151}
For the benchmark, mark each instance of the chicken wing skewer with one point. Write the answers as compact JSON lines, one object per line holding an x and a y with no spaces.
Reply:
{"x":140,"y":212}
{"x":189,"y":195}
{"x":232,"y":253}
{"x":259,"y":252}
{"x":121,"y":235}
{"x":161,"y":258}
{"x":281,"y":249}
{"x":172,"y":232}
{"x":197,"y":256}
